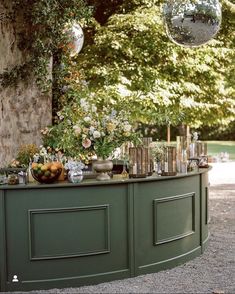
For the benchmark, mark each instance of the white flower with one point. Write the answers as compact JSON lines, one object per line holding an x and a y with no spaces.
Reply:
{"x":84,"y":104}
{"x":96,"y":134}
{"x":117,"y":153}
{"x":87,"y":119}
{"x":127,"y":128}
{"x":93,"y":108}
{"x":36,"y":157}
{"x":43,"y":151}
{"x":77,"y":129}
{"x":92,"y":129}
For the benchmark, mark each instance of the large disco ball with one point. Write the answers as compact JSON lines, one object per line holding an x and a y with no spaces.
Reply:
{"x":192,"y":23}
{"x":76,"y":38}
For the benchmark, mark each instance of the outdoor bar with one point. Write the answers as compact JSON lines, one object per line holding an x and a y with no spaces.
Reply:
{"x":65,"y":235}
{"x":90,"y":191}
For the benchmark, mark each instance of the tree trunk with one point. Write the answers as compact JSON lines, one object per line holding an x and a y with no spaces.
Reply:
{"x":168,"y":134}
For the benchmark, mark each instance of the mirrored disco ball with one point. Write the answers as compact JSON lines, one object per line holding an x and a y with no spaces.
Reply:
{"x":192,"y":23}
{"x":76,"y":39}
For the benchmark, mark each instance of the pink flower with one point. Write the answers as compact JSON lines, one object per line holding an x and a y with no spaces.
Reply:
{"x":86,"y":143}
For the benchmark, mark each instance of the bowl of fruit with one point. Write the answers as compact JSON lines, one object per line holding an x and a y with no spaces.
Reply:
{"x":46,"y":173}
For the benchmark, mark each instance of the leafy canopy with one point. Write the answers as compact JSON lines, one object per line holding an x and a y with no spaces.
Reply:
{"x":129,"y":57}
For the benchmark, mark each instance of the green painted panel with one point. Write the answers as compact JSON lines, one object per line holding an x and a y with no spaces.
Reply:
{"x":70,"y":232}
{"x":174,"y":218}
{"x":94,"y":224}
{"x":180,"y":219}
{"x":204,"y":209}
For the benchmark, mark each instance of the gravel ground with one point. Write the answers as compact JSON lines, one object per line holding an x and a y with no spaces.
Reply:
{"x":212,"y":272}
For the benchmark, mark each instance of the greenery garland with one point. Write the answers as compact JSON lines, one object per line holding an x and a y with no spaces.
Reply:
{"x":39,"y":25}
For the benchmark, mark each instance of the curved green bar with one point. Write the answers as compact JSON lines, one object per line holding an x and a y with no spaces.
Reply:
{"x":68,"y":235}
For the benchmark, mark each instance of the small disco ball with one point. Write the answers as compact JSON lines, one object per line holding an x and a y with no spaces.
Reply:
{"x":192,"y":23}
{"x":76,"y":38}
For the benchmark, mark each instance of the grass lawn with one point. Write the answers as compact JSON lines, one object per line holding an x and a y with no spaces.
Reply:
{"x":215,"y":147}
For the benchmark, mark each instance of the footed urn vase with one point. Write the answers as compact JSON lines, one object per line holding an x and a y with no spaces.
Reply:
{"x":103,"y":167}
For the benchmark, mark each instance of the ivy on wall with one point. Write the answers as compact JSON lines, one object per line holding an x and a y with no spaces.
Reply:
{"x":39,"y":26}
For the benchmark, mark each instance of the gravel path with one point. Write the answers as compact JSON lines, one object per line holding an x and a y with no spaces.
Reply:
{"x":212,"y":272}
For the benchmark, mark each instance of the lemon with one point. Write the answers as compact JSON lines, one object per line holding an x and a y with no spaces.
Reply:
{"x":44,"y":167}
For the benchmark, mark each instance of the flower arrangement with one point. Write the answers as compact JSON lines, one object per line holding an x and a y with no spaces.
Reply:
{"x":48,"y":154}
{"x":87,"y":129}
{"x":74,"y":165}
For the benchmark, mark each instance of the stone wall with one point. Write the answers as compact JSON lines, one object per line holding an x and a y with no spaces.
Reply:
{"x":24,"y":110}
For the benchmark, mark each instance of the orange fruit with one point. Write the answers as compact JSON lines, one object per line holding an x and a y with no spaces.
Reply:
{"x":58,"y":164}
{"x":34,"y":165}
{"x":48,"y":165}
{"x":53,"y":168}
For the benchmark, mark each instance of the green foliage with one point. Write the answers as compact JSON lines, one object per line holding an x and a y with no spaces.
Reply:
{"x":25,"y":154}
{"x":218,"y":132}
{"x":40,"y":35}
{"x":129,"y":62}
{"x":130,"y":57}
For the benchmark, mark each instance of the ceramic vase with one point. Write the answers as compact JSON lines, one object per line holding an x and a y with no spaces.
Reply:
{"x":103,"y":167}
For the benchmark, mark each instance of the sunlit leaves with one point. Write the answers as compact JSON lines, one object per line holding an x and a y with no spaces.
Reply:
{"x":163,"y":79}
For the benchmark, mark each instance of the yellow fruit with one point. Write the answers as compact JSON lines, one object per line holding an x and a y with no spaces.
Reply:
{"x":44,"y":167}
